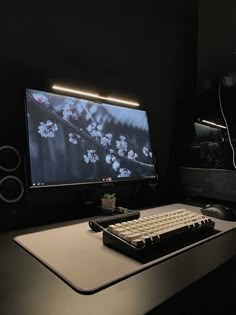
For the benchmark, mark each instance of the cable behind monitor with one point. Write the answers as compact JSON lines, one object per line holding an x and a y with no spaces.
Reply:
{"x":226,"y":123}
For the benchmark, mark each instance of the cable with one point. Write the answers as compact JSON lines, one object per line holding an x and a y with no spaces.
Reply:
{"x":226,"y":124}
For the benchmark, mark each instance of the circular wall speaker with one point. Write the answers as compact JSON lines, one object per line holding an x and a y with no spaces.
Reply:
{"x":11,"y":189}
{"x":10,"y":158}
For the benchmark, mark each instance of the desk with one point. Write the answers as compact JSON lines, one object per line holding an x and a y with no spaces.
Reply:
{"x":27,"y":287}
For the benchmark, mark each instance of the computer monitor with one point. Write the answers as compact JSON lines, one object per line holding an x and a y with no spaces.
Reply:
{"x":205,"y":143}
{"x":209,"y":147}
{"x":78,"y":141}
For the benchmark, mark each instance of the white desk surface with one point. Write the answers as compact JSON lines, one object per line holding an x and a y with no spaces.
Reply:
{"x":149,"y":288}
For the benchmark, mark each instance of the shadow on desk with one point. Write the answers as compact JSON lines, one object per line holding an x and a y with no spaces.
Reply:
{"x":215,"y":294}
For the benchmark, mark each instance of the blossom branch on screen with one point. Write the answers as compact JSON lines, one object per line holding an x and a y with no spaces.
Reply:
{"x":94,"y":134}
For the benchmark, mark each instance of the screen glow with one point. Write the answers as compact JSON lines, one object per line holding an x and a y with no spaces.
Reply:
{"x":76,"y":141}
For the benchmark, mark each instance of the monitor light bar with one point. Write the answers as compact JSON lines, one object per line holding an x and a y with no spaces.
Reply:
{"x":113,"y":99}
{"x":213,"y":124}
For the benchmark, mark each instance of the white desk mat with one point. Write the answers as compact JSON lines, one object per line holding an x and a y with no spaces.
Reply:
{"x":77,"y":255}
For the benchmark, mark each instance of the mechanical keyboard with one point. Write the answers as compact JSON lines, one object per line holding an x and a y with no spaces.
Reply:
{"x":97,"y":224}
{"x":157,"y":235}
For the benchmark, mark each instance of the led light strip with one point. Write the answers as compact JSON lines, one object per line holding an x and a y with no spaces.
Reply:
{"x":213,"y":124}
{"x":113,"y":99}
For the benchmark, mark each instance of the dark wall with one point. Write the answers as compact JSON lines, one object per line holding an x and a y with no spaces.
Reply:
{"x":216,"y":41}
{"x":208,"y":161}
{"x":144,"y":53}
{"x":217,"y":63}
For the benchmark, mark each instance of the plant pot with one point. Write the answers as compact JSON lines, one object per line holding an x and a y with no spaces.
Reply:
{"x":108,"y":203}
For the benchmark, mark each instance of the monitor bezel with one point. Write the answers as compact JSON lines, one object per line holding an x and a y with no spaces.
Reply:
{"x":77,"y":185}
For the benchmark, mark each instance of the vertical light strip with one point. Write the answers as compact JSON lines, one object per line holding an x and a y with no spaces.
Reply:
{"x":113,"y":99}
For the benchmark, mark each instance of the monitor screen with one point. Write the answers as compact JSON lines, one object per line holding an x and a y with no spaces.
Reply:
{"x":79,"y":141}
{"x":209,"y":147}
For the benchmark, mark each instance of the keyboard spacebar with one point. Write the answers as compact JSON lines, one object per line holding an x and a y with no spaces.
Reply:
{"x":169,"y":232}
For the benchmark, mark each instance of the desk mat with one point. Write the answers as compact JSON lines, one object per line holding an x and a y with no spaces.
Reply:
{"x":77,"y":255}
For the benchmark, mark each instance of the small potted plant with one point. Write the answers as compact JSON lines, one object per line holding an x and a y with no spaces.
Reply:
{"x":109,"y":201}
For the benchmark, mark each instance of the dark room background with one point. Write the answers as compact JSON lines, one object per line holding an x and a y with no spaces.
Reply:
{"x":216,"y":41}
{"x":208,"y":166}
{"x":142,"y":52}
